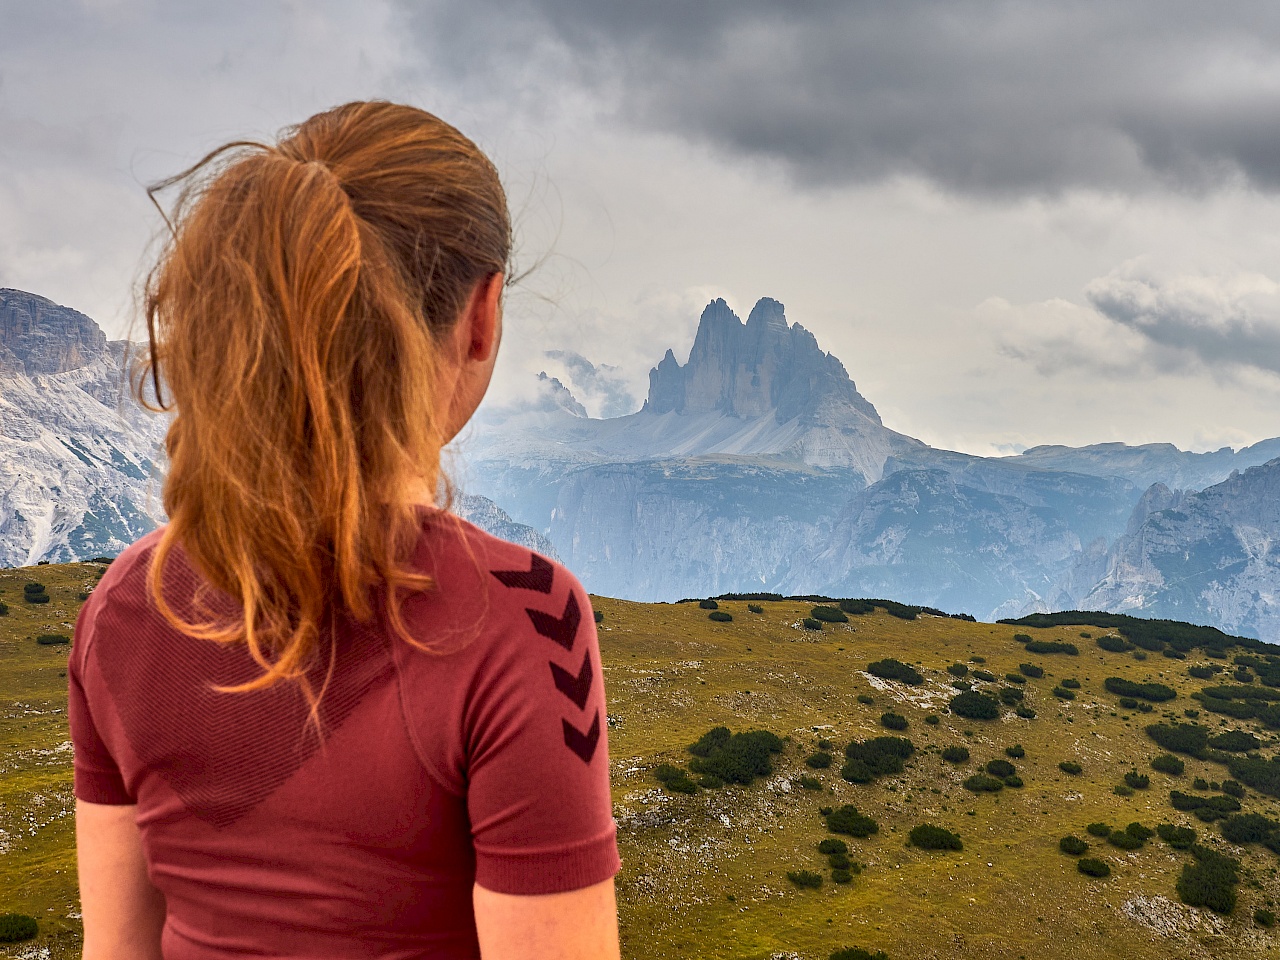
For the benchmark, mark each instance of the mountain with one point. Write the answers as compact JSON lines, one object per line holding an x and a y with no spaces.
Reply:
{"x":1151,"y":463}
{"x":1210,"y":557}
{"x":77,"y":456}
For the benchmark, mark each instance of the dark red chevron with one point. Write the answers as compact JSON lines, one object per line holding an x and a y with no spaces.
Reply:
{"x":561,"y":629}
{"x":583,"y":744}
{"x":576,"y":688}
{"x":538,"y":577}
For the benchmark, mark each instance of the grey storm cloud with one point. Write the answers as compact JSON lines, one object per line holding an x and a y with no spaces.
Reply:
{"x":1218,"y":321}
{"x":986,"y":98}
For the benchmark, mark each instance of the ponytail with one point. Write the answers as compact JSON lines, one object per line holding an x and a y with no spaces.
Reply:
{"x":293,"y":319}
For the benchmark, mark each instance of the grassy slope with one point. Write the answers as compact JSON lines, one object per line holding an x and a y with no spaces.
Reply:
{"x":671,"y":674}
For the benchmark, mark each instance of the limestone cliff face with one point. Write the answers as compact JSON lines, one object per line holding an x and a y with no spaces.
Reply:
{"x":39,"y":337}
{"x":1208,"y":557}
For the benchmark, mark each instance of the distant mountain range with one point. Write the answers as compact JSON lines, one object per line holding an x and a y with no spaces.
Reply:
{"x":755,"y":465}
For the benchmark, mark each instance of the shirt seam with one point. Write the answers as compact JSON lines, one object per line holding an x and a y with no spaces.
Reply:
{"x":419,"y":751}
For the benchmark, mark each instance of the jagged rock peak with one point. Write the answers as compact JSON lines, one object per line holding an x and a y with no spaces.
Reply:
{"x":749,"y":370}
{"x":556,"y":396}
{"x":37,"y":336}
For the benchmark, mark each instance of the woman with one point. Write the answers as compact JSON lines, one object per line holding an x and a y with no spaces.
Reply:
{"x":316,"y":715}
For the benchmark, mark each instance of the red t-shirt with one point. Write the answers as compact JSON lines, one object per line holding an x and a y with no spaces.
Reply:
{"x":487,"y":764}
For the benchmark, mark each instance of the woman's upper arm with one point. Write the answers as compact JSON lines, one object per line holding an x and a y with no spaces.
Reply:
{"x":123,"y":912}
{"x":574,"y":925}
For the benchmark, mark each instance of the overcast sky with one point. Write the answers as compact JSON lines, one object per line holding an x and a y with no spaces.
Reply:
{"x":1015,"y":223}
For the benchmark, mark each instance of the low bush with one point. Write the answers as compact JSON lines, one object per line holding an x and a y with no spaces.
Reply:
{"x":891,"y":669}
{"x":1013,"y":780}
{"x":1235,"y":741}
{"x":712,"y":782}
{"x":857,"y":953}
{"x":1200,"y":673}
{"x":1128,"y":703}
{"x":1200,"y":783}
{"x":1262,"y":775}
{"x":1125,"y":840}
{"x":1064,"y":694}
{"x":1071,"y":767}
{"x":1093,"y":868}
{"x":1264,"y":917}
{"x":805,"y":878}
{"x":1072,"y":846}
{"x":841,"y":875}
{"x":819,"y":760}
{"x":52,"y":639}
{"x":1114,"y":644}
{"x":735,"y":758}
{"x":847,"y":820}
{"x":929,"y":837}
{"x":1001,"y":768}
{"x":1052,"y":646}
{"x":1031,"y":670}
{"x":1248,"y":828}
{"x":956,"y":754}
{"x":958,"y":670}
{"x":980,"y":783}
{"x":1015,"y":678}
{"x":811,"y":624}
{"x":1155,"y":692}
{"x":1071,"y":683}
{"x":878,"y":757}
{"x":1180,"y":838}
{"x":719,"y":616}
{"x":708,"y":605}
{"x":1010,"y":696}
{"x":1023,"y":637}
{"x":893,"y":721}
{"x":807,"y":782}
{"x":856,"y":607}
{"x":866,"y":699}
{"x":839,"y":861}
{"x":832,"y":845}
{"x":1025,"y":712}
{"x":754,"y":608}
{"x":1210,"y":880}
{"x":933,"y":719}
{"x":1122,"y":790}
{"x":36,"y":598}
{"x":1168,"y":763}
{"x":32,"y":588}
{"x":1188,"y":738}
{"x":961,"y":685}
{"x":1233,"y":789}
{"x":985,"y":676}
{"x":1136,"y":781}
{"x":828,"y":615}
{"x":1173,"y":654}
{"x":4,"y":609}
{"x":1207,"y":809}
{"x":1102,"y":830}
{"x":1015,"y":752}
{"x":16,"y":927}
{"x":599,"y":615}
{"x":975,"y":706}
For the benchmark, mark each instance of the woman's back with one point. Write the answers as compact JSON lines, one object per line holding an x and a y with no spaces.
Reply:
{"x":487,"y":764}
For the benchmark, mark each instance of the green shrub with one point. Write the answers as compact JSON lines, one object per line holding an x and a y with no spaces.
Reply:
{"x":832,"y":845}
{"x":1207,"y":809}
{"x":1264,"y":917}
{"x":929,"y":837}
{"x":828,"y":615}
{"x":975,"y":706}
{"x":1188,"y":738}
{"x":956,"y":754}
{"x":1200,"y":783}
{"x":1023,"y":637}
{"x":977,"y":659}
{"x":1137,"y":781}
{"x":1015,"y":678}
{"x":984,"y":675}
{"x":1248,"y":828}
{"x":674,"y":779}
{"x":841,"y":875}
{"x":1200,"y":673}
{"x":878,"y":757}
{"x":1013,"y":780}
{"x":893,"y":721}
{"x":36,"y":598}
{"x":933,"y":719}
{"x":1015,"y":752}
{"x":1052,"y":646}
{"x":1072,"y":846}
{"x":1180,"y":838}
{"x":825,"y":744}
{"x":1114,"y":644}
{"x":1064,"y":694}
{"x":1001,"y":768}
{"x":1233,"y":789}
{"x":1122,"y":790}
{"x":857,"y":953}
{"x":32,"y":588}
{"x":1124,"y":840}
{"x":856,"y":607}
{"x":1138,"y":830}
{"x":1093,"y":868}
{"x":866,"y":699}
{"x":1210,"y":880}
{"x":849,"y":821}
{"x":980,"y":783}
{"x":958,"y":670}
{"x":1071,"y":767}
{"x":739,"y":758}
{"x":1025,"y":712}
{"x":824,"y":810}
{"x":599,"y":616}
{"x":811,"y":624}
{"x":1071,"y":683}
{"x":1155,"y":692}
{"x":807,"y":782}
{"x":891,"y":669}
{"x":719,"y":616}
{"x":1262,"y":775}
{"x":805,"y":878}
{"x":712,"y":782}
{"x":1031,"y":670}
{"x":15,"y":927}
{"x":961,"y":685}
{"x":1102,"y":830}
{"x":1010,"y":696}
{"x":708,"y":605}
{"x":754,"y":608}
{"x":819,"y":760}
{"x":4,"y":609}
{"x":52,"y":639}
{"x":1235,"y":741}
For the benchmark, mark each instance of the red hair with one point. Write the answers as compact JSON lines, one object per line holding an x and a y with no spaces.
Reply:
{"x":293,"y":319}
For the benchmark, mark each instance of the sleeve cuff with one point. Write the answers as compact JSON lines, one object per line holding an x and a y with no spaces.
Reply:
{"x":551,"y":869}
{"x":95,"y":786}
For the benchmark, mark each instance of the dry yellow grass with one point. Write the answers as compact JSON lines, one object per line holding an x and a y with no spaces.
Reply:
{"x":670,"y":675}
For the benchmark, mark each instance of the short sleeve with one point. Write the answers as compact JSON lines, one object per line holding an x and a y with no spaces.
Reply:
{"x":97,"y":777}
{"x":537,"y":770}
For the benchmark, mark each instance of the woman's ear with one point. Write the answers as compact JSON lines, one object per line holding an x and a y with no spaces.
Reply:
{"x":482,"y":318}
